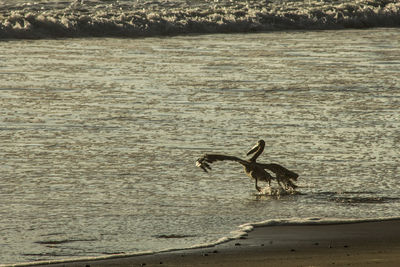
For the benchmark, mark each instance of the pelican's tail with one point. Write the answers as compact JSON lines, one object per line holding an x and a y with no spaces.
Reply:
{"x":286,"y":182}
{"x":290,"y":184}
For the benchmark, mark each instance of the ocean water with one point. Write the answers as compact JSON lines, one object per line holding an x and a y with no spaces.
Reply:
{"x":99,"y":136}
{"x":137,"y":18}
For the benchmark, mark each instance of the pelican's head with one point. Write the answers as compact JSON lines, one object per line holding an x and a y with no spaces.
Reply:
{"x":260,"y":144}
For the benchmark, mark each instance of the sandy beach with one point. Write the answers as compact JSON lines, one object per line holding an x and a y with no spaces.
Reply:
{"x":353,"y":244}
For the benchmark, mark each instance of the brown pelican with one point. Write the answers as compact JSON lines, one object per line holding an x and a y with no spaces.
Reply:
{"x":254,"y":169}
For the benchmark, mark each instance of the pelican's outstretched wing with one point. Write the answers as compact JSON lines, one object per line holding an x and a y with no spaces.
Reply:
{"x":280,"y":170}
{"x":204,"y":161}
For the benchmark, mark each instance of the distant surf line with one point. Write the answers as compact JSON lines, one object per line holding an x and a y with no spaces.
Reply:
{"x":148,"y":20}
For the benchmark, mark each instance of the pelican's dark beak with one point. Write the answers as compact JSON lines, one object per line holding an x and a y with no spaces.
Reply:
{"x":253,"y":149}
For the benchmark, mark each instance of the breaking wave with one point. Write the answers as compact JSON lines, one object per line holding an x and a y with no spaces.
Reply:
{"x":242,"y":231}
{"x":106,"y":18}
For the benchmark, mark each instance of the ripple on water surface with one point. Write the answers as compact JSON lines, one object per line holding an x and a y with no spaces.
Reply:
{"x":99,"y":137}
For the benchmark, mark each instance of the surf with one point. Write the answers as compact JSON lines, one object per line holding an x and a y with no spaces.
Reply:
{"x":162,"y":18}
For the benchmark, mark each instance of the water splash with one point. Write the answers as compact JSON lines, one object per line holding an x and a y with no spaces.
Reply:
{"x":270,"y":191}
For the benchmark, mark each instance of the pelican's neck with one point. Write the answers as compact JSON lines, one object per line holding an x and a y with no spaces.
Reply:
{"x":258,"y":153}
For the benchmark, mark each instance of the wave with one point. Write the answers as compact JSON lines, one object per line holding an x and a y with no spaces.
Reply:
{"x":132,"y":19}
{"x":242,"y":231}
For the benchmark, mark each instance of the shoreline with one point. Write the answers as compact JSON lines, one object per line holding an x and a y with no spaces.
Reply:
{"x":375,"y":243}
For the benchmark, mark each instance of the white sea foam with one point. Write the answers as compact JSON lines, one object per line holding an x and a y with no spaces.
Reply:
{"x":127,"y":19}
{"x":248,"y":227}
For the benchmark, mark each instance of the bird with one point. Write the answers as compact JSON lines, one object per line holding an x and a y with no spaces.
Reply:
{"x":253,"y":169}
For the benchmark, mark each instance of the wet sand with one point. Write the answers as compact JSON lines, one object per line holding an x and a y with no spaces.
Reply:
{"x":354,"y":244}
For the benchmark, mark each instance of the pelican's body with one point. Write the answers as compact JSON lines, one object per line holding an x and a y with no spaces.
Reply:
{"x":252,"y":168}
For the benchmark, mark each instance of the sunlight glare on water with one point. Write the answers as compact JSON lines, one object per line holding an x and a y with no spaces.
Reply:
{"x":99,"y":137}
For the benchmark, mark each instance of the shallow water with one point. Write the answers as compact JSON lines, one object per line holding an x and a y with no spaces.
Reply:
{"x":99,"y":137}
